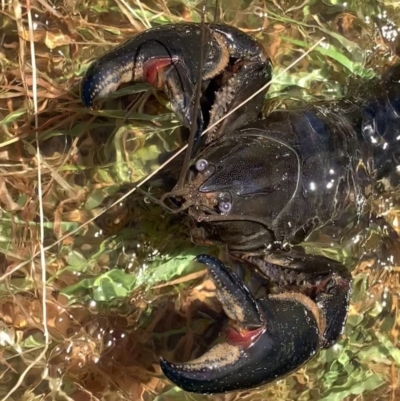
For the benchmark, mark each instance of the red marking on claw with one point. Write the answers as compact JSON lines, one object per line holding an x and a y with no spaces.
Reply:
{"x":151,"y":69}
{"x":243,"y":338}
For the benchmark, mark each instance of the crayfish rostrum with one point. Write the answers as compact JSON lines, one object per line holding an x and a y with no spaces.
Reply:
{"x":260,"y":187}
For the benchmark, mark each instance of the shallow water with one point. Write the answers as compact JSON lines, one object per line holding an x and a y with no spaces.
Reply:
{"x":122,"y":291}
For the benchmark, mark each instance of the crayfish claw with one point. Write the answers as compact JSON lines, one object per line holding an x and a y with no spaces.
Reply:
{"x":238,"y":303}
{"x":166,"y":57}
{"x":269,"y":338}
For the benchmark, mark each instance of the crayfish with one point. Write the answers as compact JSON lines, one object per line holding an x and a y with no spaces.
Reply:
{"x":260,"y":187}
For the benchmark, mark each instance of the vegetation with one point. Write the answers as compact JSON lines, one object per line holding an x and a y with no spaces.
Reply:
{"x":96,"y":281}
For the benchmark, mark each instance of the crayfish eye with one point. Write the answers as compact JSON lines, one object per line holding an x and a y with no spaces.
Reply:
{"x":224,"y":206}
{"x":201,"y":164}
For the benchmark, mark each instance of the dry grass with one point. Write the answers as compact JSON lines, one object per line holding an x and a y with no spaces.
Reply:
{"x":87,"y":302}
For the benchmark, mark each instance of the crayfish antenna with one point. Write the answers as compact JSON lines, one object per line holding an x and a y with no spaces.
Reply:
{"x":197,"y":118}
